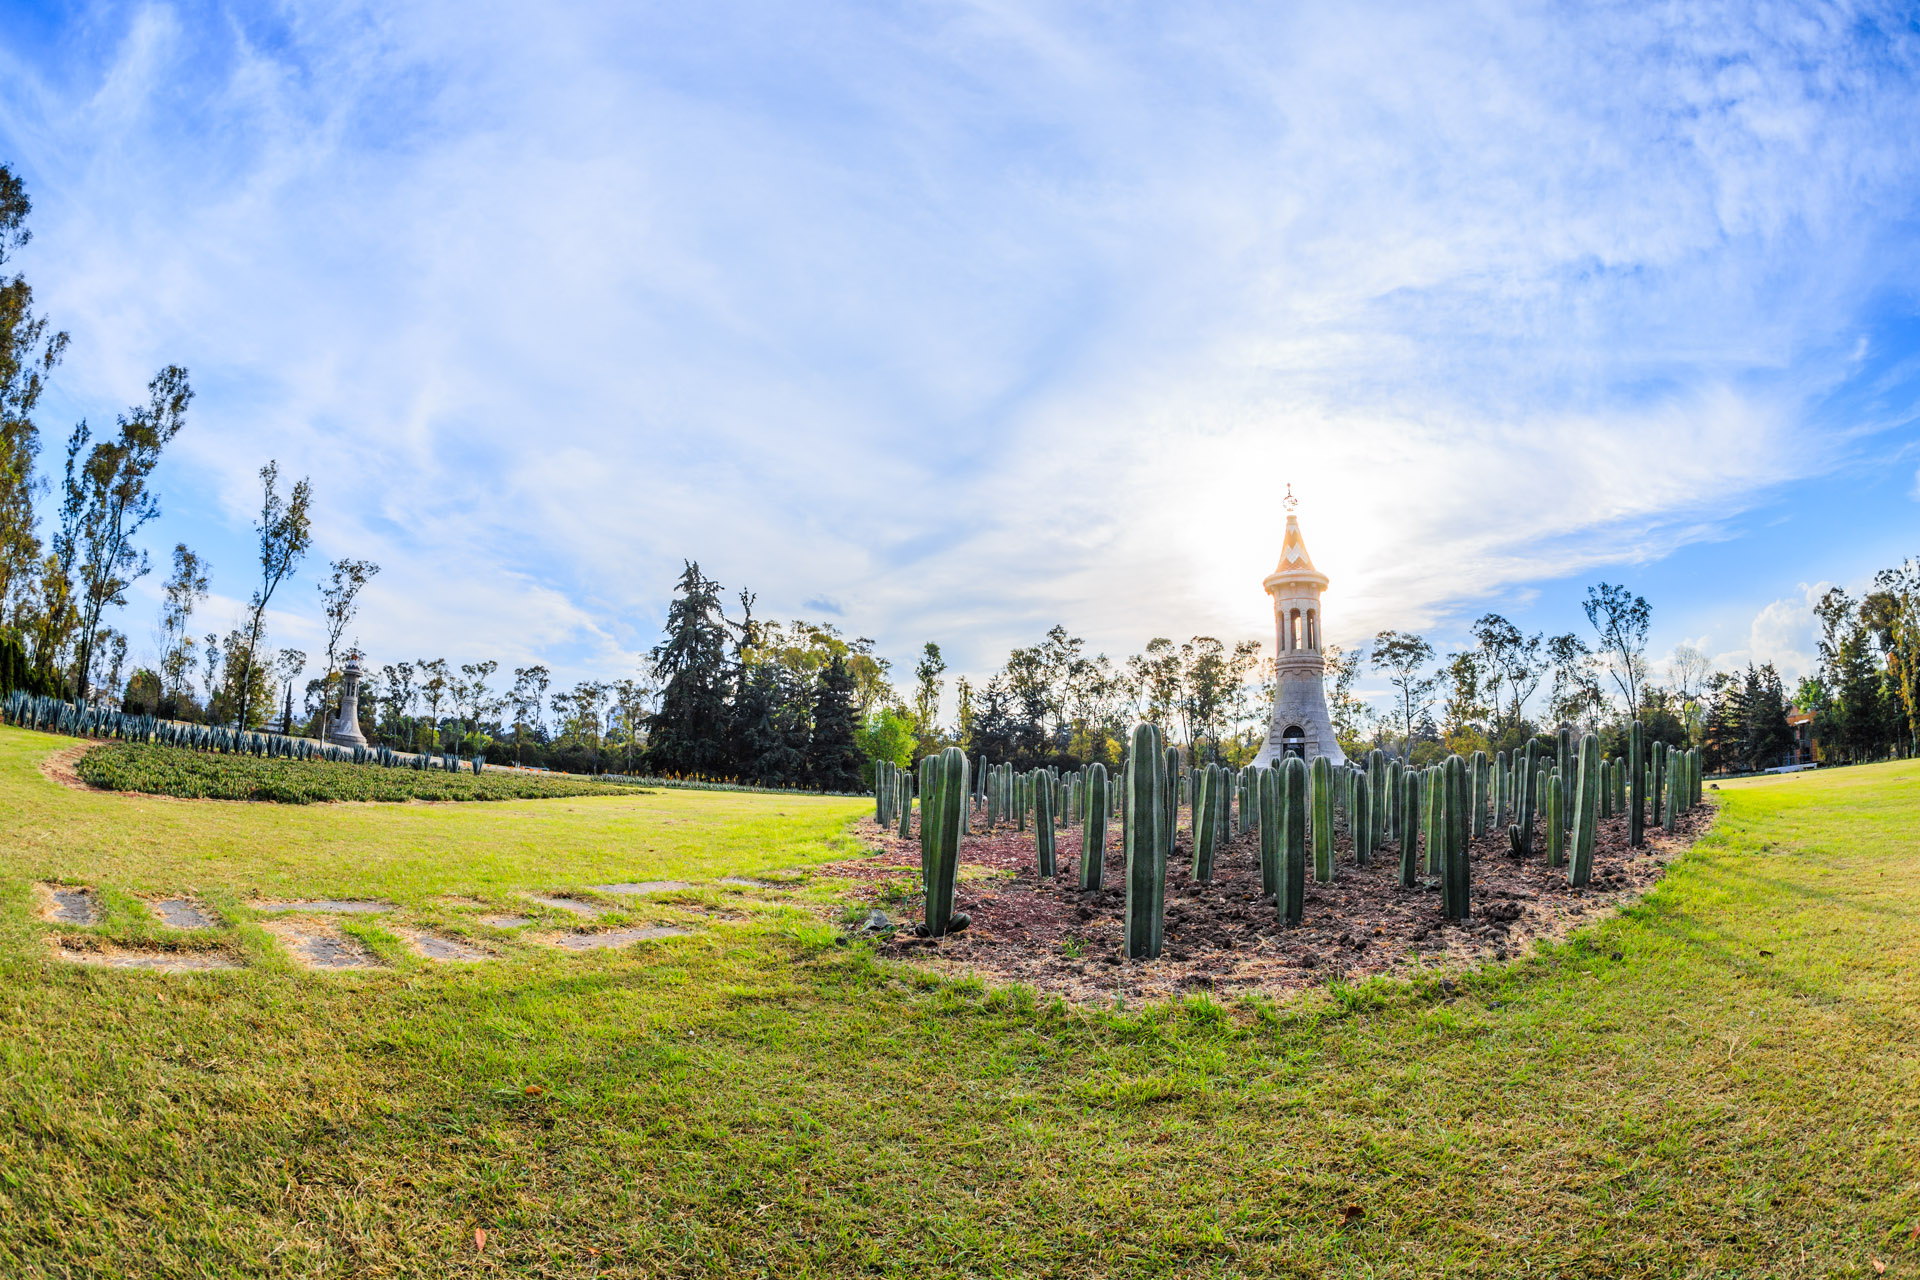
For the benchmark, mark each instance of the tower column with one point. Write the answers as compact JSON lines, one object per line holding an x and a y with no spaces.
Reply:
{"x":1300,"y":724}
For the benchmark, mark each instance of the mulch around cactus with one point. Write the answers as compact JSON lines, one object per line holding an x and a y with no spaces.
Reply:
{"x":1223,"y":936}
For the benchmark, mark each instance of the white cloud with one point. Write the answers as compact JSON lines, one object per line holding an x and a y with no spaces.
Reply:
{"x":967,"y":318}
{"x":1785,"y":633}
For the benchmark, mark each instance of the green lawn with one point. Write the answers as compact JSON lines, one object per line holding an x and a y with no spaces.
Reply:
{"x":1733,"y":1095}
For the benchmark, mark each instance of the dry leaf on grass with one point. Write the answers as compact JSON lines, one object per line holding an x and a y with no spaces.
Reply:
{"x":479,"y":1239}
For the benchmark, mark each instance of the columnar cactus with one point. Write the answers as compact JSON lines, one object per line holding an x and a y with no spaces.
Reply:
{"x":906,"y":804}
{"x":1455,"y":884}
{"x":1636,"y":784}
{"x":1322,"y":819}
{"x":1377,"y":790}
{"x":1291,"y":898}
{"x":1480,"y":779}
{"x":1556,"y":831}
{"x":1409,"y":803}
{"x":1500,"y":784}
{"x":1042,"y":822}
{"x":1273,"y":835}
{"x":1525,"y":790}
{"x":1169,"y":812}
{"x":1146,"y":785}
{"x":1361,"y":823}
{"x":1206,"y":804}
{"x":943,"y":808}
{"x":1093,"y":832}
{"x":1587,"y":791}
{"x":1563,"y":767}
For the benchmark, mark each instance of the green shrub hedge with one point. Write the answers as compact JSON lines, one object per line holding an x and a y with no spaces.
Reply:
{"x":178,"y":771}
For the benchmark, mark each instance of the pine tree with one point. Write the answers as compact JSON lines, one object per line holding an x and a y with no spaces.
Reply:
{"x":833,"y":761}
{"x":688,"y":733}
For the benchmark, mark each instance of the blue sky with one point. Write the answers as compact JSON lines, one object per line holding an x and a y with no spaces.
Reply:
{"x":951,"y":321}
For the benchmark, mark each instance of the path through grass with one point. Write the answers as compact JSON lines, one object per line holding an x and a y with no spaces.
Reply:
{"x":1722,"y":1083}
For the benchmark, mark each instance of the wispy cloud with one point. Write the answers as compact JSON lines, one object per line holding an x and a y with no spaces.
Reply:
{"x":966,"y":318}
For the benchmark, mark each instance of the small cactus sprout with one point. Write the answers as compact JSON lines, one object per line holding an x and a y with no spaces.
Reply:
{"x":1093,"y":835}
{"x":1637,"y":784}
{"x":1322,"y":819}
{"x":1586,"y":818}
{"x":1290,"y":902}
{"x":1146,"y":794}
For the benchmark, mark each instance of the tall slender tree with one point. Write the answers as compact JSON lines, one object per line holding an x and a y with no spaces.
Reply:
{"x":28,"y":353}
{"x":1621,"y":619}
{"x":340,"y":601}
{"x":284,"y":536}
{"x":113,"y":501}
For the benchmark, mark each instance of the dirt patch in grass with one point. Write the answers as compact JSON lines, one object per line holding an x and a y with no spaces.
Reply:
{"x":61,"y":766}
{"x":320,"y":945}
{"x":151,"y":960}
{"x":1224,"y":935}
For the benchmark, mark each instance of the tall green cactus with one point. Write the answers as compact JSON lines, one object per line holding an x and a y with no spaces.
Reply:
{"x":1409,"y":803}
{"x":1525,"y":791}
{"x":1656,"y":794}
{"x":1273,"y":834}
{"x":1500,"y":789}
{"x":1043,"y":822}
{"x":1481,"y":777}
{"x":1556,"y":832}
{"x":1206,"y":786}
{"x":1093,"y":834}
{"x":1377,"y":790}
{"x":1169,"y":788}
{"x":1322,"y":782}
{"x":1586,"y":818}
{"x":1457,"y":791}
{"x":1361,"y":823}
{"x":1291,"y":898}
{"x":1636,"y":785}
{"x":1563,"y":771}
{"x":1145,"y":818}
{"x":943,"y":808}
{"x":905,"y":800}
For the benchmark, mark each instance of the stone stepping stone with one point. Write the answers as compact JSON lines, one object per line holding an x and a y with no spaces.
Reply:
{"x":618,"y":937}
{"x":507,"y":922}
{"x":184,"y":913}
{"x":151,"y":961}
{"x":642,"y":887}
{"x":331,"y":906}
{"x":586,"y":910}
{"x":70,"y":906}
{"x":746,"y":882}
{"x":434,"y":946}
{"x":322,"y":947}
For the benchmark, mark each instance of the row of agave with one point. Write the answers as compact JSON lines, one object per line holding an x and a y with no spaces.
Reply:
{"x":51,"y":715}
{"x":1296,"y":808}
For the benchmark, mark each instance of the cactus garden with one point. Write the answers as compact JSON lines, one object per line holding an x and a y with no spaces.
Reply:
{"x":1237,"y":895}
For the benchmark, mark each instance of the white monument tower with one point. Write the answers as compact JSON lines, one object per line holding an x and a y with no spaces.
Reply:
{"x":344,"y":731}
{"x":1300,"y":724}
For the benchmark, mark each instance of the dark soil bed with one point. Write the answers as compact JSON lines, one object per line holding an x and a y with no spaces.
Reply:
{"x":1223,"y":936}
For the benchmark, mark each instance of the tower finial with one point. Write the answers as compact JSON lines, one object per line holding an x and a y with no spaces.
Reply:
{"x":1290,"y":502}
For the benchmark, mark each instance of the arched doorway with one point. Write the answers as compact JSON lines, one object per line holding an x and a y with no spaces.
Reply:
{"x":1294,"y":742}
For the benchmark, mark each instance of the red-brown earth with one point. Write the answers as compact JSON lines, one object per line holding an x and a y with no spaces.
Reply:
{"x":1223,"y":936}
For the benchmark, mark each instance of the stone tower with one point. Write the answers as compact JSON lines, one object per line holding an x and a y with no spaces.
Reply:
{"x":1300,"y":725}
{"x":345,"y":729}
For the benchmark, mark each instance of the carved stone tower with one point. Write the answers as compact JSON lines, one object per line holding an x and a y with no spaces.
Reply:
{"x":1300,"y":725}
{"x":344,"y":731}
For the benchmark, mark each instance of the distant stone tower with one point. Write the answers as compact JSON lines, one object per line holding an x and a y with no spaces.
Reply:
{"x":1300,"y":725}
{"x":345,"y":729}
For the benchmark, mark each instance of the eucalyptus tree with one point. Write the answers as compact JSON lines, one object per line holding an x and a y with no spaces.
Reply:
{"x":184,"y":591}
{"x":28,"y":353}
{"x":285,"y":533}
{"x":1404,"y":656}
{"x":1621,"y":620}
{"x":340,"y":601}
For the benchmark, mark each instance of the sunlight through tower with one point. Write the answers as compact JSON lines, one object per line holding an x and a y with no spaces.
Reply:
{"x":1300,"y":725}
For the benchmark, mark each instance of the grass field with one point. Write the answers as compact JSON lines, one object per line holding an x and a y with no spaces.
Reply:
{"x":1721,"y":1083}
